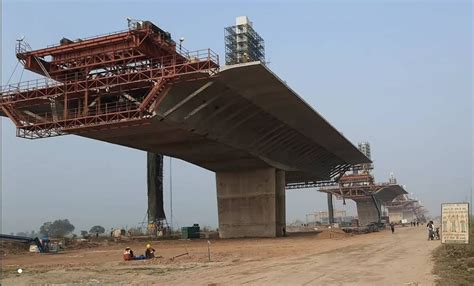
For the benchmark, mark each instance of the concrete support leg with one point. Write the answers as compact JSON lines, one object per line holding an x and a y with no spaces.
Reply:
{"x":408,"y":215}
{"x":395,"y":215}
{"x":330,"y":209}
{"x":251,"y":203}
{"x":280,"y":203}
{"x":156,"y":210}
{"x":367,"y":212}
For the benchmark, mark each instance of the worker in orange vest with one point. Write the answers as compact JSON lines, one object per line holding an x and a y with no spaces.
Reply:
{"x":128,"y":254}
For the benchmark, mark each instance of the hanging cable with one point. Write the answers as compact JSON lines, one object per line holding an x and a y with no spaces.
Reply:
{"x":21,"y":75}
{"x":16,"y":66}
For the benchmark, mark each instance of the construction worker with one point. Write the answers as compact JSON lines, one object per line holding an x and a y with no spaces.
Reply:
{"x":128,"y":254}
{"x":149,"y":252}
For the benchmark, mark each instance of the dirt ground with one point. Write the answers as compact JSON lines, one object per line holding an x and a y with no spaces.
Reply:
{"x":382,"y":258}
{"x":454,"y":263}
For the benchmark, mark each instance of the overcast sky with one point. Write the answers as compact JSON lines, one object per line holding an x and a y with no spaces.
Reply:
{"x":395,"y":73}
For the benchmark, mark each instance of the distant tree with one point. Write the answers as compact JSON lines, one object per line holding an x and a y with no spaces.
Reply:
{"x":58,"y":228}
{"x":97,"y":229}
{"x":84,"y":234}
{"x":44,"y":229}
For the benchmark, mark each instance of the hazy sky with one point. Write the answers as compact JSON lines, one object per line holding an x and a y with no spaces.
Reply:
{"x":395,"y":73}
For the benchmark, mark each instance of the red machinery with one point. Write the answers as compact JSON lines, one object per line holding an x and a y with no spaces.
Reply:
{"x":106,"y":81}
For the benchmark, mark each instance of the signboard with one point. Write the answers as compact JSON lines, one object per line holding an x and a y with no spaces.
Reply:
{"x":455,"y":223}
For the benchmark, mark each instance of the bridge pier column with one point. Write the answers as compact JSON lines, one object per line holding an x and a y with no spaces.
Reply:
{"x":156,"y":211}
{"x":409,"y":215}
{"x":366,"y":211}
{"x":395,"y":215}
{"x":251,"y":203}
{"x":330,"y":208}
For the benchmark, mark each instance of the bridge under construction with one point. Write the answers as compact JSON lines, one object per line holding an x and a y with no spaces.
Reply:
{"x":137,"y":88}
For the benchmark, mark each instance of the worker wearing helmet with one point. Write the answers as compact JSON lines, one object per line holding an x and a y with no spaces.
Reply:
{"x":149,"y":252}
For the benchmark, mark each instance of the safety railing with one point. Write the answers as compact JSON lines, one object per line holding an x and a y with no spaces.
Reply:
{"x":108,"y":110}
{"x":205,"y":55}
{"x":28,"y":85}
{"x":22,"y":47}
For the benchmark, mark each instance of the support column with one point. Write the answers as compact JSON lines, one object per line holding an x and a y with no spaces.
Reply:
{"x":395,"y":215}
{"x":280,"y":203}
{"x":408,"y":214}
{"x":156,"y":212}
{"x":330,"y":209}
{"x":366,"y":211}
{"x":251,"y":203}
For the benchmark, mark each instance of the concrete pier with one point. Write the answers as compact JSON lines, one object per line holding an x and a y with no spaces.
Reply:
{"x":330,"y":208}
{"x":156,"y":210}
{"x":367,"y":211}
{"x":251,"y":203}
{"x":395,"y":215}
{"x":409,"y":215}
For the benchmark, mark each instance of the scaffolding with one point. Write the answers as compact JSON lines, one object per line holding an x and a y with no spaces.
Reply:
{"x":243,"y":44}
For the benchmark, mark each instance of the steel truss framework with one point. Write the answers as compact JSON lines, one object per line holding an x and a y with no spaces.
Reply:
{"x":339,"y":178}
{"x":402,"y":204}
{"x":103,"y":82}
{"x":347,"y":186}
{"x":354,"y":192}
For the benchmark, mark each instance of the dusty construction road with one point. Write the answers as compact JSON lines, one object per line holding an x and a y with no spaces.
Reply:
{"x":403,"y":258}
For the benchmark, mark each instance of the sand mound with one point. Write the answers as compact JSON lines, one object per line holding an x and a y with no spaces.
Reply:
{"x":332,"y":233}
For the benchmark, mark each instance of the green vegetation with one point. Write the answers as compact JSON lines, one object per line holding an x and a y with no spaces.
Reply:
{"x":58,"y":228}
{"x":97,"y":229}
{"x":454,"y":264}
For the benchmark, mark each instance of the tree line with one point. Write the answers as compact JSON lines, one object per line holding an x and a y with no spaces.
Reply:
{"x":61,"y":228}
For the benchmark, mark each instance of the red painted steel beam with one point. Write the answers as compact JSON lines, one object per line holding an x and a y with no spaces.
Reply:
{"x":92,"y":78}
{"x":76,"y":88}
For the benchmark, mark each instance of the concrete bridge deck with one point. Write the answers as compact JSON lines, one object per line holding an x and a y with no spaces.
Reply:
{"x":245,"y":118}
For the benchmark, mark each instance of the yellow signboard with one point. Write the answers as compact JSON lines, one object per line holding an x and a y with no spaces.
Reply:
{"x":455,"y":223}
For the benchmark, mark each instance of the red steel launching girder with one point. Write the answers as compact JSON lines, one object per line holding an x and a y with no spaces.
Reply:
{"x":111,"y":80}
{"x":354,"y":192}
{"x":356,"y":179}
{"x":66,"y":60}
{"x":31,"y":91}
